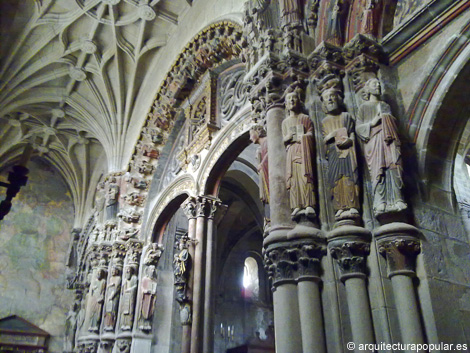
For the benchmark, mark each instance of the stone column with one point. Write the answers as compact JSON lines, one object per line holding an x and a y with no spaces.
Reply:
{"x":310,"y":308}
{"x":399,"y":244}
{"x":281,"y":264}
{"x":203,"y":208}
{"x":278,"y":195}
{"x":189,"y":209}
{"x":350,"y":246}
{"x":208,"y":329}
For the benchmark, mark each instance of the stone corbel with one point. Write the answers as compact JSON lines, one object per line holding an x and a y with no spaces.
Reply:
{"x":189,"y":207}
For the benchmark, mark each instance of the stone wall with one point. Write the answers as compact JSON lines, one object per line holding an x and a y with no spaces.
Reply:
{"x":34,"y":242}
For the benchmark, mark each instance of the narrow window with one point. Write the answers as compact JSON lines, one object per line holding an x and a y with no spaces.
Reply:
{"x":251,"y":279}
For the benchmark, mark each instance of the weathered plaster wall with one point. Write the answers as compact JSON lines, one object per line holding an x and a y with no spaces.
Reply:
{"x":34,"y":240}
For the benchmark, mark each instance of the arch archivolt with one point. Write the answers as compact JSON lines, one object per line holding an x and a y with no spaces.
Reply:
{"x":183,"y":185}
{"x":424,"y":111}
{"x":241,"y":124}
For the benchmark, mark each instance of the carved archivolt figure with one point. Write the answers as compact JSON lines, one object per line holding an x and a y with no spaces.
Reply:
{"x":338,"y":136}
{"x":112,"y":199}
{"x":129,"y":291}
{"x":258,"y":137}
{"x":96,"y":300}
{"x":297,"y":132}
{"x":112,"y":299}
{"x":377,"y":127}
{"x":149,"y":295}
{"x":291,"y":12}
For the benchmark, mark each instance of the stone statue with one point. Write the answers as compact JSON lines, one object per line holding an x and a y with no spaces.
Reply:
{"x":99,"y":203}
{"x":129,"y":292}
{"x":80,"y":320}
{"x":297,"y":132}
{"x":71,"y":328}
{"x":96,"y":300}
{"x":149,"y":295}
{"x":181,"y":267}
{"x":112,"y":195}
{"x":258,"y":137}
{"x":338,"y":136}
{"x":334,"y":30}
{"x":377,"y":128}
{"x":113,"y":292}
{"x":368,"y":22}
{"x":291,"y":12}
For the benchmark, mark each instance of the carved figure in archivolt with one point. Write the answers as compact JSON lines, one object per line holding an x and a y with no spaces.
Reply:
{"x":113,"y":292}
{"x":99,"y":203}
{"x":96,"y":300}
{"x":149,"y":296}
{"x":377,"y":128}
{"x":258,"y":137}
{"x":112,"y":195}
{"x":338,"y":136}
{"x":297,"y":132}
{"x":129,"y":291}
{"x":335,"y":24}
{"x":291,"y":12}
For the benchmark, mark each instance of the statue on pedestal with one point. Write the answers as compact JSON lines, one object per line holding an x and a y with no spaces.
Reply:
{"x":377,"y":128}
{"x":112,"y":298}
{"x":96,"y":300}
{"x":112,"y":195}
{"x":129,"y":291}
{"x":258,"y":137}
{"x":149,"y":295}
{"x":297,"y":132}
{"x":338,"y":136}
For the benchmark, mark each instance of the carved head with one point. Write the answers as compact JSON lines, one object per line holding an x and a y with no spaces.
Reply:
{"x":292,"y":101}
{"x":373,"y":87}
{"x":332,"y":99}
{"x":256,"y":132}
{"x":151,"y":271}
{"x":129,"y":272}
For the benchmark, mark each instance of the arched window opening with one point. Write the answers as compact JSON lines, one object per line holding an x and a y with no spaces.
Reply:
{"x":251,"y":278}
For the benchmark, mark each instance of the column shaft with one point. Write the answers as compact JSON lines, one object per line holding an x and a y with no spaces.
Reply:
{"x":359,"y":311}
{"x":208,"y":342}
{"x":198,"y":295}
{"x":311,"y":317}
{"x":279,"y":200}
{"x":186,"y":335}
{"x":408,"y":316}
{"x":286,"y":319}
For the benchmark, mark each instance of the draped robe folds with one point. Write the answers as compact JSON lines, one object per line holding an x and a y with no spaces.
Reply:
{"x":149,"y":291}
{"x":128,"y":302}
{"x":299,"y":162}
{"x":98,"y":288}
{"x":113,"y":291}
{"x":263,"y":171}
{"x":381,"y":151}
{"x":291,"y":12}
{"x":342,"y":162}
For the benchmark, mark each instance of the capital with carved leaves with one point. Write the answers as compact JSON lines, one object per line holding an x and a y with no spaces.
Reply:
{"x":349,"y":246}
{"x":400,"y":245}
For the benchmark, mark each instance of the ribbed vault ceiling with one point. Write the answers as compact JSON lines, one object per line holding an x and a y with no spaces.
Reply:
{"x":70,"y":74}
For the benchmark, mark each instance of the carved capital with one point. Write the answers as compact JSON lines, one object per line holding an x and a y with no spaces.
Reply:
{"x":189,"y":207}
{"x":293,"y":261}
{"x":88,"y":347}
{"x":350,"y":246}
{"x":362,"y":44}
{"x":123,"y":346}
{"x":153,"y":254}
{"x":361,"y":69}
{"x":399,"y":243}
{"x":401,"y":255}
